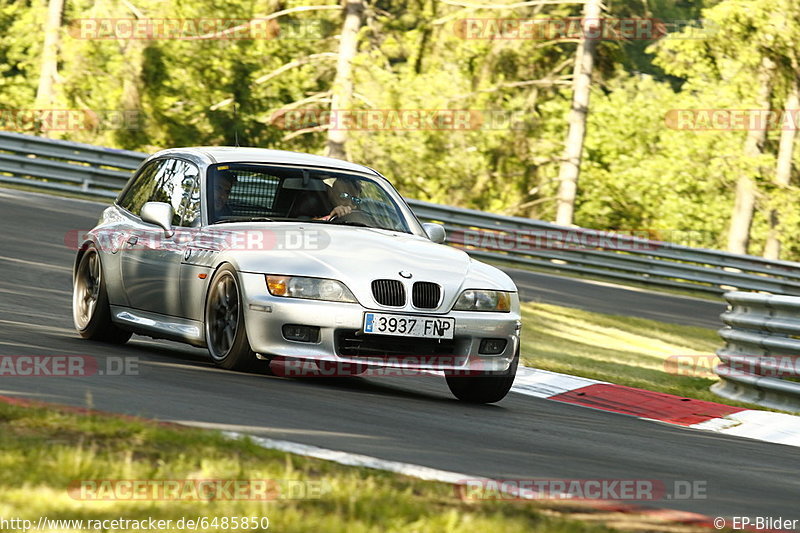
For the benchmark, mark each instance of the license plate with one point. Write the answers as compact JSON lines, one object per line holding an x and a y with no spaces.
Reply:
{"x":409,"y":326}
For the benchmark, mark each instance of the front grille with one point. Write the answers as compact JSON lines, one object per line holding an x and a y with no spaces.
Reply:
{"x":425,"y":295}
{"x":355,"y":343}
{"x":389,"y":292}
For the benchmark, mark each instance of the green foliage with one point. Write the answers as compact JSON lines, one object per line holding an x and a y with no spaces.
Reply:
{"x":637,"y":172}
{"x":20,"y":49}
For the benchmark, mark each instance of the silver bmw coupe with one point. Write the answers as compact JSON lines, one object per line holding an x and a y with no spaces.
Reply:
{"x":262,"y":254}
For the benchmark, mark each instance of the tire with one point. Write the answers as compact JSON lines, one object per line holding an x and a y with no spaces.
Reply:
{"x":486,"y":387}
{"x":90,"y":311}
{"x":226,"y":335}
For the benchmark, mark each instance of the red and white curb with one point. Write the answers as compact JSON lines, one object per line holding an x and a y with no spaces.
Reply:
{"x":698,"y":414}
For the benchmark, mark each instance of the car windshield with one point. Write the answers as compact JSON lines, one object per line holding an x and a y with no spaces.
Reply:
{"x":253,"y":192}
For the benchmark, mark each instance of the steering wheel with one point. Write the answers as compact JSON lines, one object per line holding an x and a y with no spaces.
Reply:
{"x":355,"y":215}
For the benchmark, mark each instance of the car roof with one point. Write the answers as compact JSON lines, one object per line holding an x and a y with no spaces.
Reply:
{"x":236,"y":154}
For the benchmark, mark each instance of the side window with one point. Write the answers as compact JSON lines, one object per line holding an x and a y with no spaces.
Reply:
{"x":141,"y":189}
{"x":239,"y":191}
{"x":191,"y":207}
{"x":175,"y":182}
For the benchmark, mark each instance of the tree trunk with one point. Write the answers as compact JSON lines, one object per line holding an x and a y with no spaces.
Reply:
{"x":581,"y":86}
{"x":45,"y":93}
{"x":342,"y":90}
{"x":745,"y":201}
{"x":130,"y":134}
{"x":783,"y":169}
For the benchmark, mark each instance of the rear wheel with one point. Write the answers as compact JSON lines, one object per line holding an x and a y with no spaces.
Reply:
{"x":226,"y":336}
{"x":483,"y":387}
{"x":90,"y":311}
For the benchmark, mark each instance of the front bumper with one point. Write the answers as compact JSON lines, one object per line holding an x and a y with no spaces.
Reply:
{"x":265,"y":316}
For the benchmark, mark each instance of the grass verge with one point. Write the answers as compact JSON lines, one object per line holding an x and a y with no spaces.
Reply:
{"x":45,"y":450}
{"x":635,"y":352}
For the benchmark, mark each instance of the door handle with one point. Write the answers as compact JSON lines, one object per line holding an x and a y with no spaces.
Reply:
{"x":133,"y":239}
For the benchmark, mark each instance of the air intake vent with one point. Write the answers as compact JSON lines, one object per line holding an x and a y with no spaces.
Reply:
{"x":425,"y":295}
{"x":389,"y":292}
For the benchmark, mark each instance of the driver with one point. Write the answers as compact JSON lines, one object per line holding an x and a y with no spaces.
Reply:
{"x":343,"y":194}
{"x":224,"y":183}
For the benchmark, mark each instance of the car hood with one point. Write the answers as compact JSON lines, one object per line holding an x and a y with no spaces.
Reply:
{"x":356,"y":256}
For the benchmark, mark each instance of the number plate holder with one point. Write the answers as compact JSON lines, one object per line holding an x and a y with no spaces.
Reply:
{"x":425,"y":327}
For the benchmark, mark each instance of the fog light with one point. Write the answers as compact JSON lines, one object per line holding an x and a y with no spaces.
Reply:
{"x":293,"y":332}
{"x":492,"y":346}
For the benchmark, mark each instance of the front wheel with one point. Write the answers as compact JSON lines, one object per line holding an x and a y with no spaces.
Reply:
{"x":226,"y":336}
{"x":484,"y":387}
{"x":90,"y":310}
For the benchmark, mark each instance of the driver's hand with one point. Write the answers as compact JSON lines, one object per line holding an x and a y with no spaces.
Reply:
{"x":340,"y":211}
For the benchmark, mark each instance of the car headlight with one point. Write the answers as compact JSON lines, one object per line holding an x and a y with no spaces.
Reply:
{"x":483,"y":300}
{"x":309,"y":288}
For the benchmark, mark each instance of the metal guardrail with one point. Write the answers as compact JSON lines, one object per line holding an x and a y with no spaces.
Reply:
{"x":527,"y":242}
{"x":70,"y":166}
{"x":760,"y":362}
{"x":64,"y":165}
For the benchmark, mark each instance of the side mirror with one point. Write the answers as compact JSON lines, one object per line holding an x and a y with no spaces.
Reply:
{"x":160,"y":214}
{"x":435,"y":232}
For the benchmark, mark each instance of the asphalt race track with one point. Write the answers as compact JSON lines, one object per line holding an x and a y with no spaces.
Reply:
{"x":616,"y":300}
{"x":413,"y":420}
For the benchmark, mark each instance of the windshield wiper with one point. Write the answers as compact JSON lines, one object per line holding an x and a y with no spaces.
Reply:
{"x":245,"y":219}
{"x":351,"y":223}
{"x":362,"y":225}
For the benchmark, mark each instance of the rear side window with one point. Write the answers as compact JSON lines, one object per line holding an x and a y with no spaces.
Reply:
{"x":239,"y":191}
{"x":140,"y":191}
